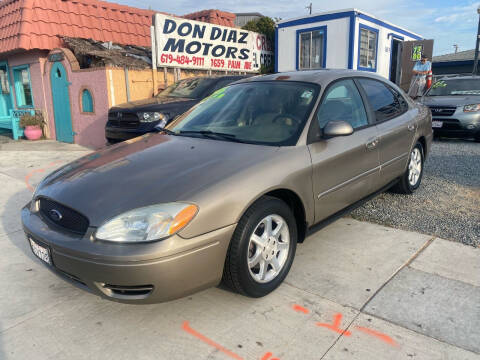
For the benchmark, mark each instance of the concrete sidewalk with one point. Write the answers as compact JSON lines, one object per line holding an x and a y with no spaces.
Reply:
{"x":356,"y":291}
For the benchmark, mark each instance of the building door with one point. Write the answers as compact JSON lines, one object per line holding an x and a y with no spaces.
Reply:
{"x":5,"y":91}
{"x":395,"y":60}
{"x":61,"y":103}
{"x":411,"y":53}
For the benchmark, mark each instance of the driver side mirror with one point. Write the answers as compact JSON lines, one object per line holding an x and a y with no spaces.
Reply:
{"x":337,"y":128}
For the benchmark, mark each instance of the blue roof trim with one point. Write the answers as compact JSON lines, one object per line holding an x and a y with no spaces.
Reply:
{"x":388,"y":26}
{"x":313,"y":19}
{"x":276,"y":50}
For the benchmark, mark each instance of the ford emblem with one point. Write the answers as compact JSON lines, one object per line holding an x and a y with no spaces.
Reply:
{"x":55,"y":215}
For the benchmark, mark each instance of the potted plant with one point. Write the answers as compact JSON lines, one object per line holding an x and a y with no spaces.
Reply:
{"x":32,"y":125}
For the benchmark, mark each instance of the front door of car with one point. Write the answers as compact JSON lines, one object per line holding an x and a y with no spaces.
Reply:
{"x":395,"y":126}
{"x":344,"y":167}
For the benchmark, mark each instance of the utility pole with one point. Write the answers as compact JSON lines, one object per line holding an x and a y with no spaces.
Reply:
{"x":456,"y":48}
{"x":475,"y":63}
{"x":309,"y":7}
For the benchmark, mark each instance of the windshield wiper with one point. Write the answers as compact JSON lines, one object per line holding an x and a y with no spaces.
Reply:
{"x":166,"y":131}
{"x":208,"y":133}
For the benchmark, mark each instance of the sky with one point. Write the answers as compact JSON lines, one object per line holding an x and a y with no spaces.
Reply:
{"x":448,"y":22}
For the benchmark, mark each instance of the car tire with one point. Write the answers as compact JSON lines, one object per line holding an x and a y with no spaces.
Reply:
{"x":411,"y":179}
{"x":255,"y":242}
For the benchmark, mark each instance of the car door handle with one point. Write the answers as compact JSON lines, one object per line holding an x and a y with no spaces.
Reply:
{"x":411,"y":127}
{"x":372,"y":144}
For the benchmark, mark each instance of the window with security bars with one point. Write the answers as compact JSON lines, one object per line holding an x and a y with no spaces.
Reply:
{"x":368,"y":49}
{"x":311,"y":49}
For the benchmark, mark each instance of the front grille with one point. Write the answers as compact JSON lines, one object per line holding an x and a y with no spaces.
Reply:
{"x":442,"y":110}
{"x":62,"y":216}
{"x":125,"y":120}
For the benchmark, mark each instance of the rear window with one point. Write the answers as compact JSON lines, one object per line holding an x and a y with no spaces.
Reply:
{"x":196,"y":88}
{"x":384,"y":103}
{"x":458,"y":87}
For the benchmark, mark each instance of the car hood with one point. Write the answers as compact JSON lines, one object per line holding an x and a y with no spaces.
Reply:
{"x":147,"y":170}
{"x":450,"y":100}
{"x":154,"y":104}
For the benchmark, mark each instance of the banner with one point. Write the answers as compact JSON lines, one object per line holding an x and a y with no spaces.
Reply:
{"x":193,"y":44}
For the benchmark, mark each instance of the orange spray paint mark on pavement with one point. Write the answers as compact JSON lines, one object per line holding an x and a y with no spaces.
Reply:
{"x":31,"y":173}
{"x":206,"y":340}
{"x":335,"y":326}
{"x":378,"y":335}
{"x":299,"y":308}
{"x":268,"y":355}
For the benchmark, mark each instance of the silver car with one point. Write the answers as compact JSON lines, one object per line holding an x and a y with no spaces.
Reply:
{"x":455,"y":106}
{"x":230,"y":188}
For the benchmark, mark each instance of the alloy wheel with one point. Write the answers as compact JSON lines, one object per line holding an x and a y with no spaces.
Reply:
{"x":268,"y":248}
{"x":414,"y":166}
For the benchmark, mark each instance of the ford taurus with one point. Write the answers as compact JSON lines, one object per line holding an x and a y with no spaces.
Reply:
{"x":228,"y":189}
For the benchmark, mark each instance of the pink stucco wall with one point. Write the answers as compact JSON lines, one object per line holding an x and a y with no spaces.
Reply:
{"x":89,"y":129}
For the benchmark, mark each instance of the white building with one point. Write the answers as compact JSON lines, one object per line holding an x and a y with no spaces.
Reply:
{"x":348,"y":39}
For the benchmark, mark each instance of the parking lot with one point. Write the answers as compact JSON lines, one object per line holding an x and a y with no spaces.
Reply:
{"x":410,"y":296}
{"x":448,"y":202}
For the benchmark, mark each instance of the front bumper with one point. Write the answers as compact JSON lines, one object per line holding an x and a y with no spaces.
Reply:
{"x":134,"y":273}
{"x":124,"y":133}
{"x":459,"y":124}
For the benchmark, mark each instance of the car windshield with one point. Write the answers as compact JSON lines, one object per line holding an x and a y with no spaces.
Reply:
{"x":268,"y":113}
{"x":195,"y":88}
{"x":459,"y":87}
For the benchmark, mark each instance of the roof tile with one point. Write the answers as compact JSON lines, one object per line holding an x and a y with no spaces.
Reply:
{"x":37,"y":24}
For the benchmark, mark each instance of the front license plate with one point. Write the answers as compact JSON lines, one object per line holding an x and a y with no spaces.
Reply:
{"x":437,"y":124}
{"x":43,"y":253}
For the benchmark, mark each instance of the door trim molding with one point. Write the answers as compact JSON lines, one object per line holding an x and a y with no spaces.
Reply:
{"x":391,"y":161}
{"x":345,"y":183}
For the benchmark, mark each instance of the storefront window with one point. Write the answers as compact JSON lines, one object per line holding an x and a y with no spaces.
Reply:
{"x":311,"y":44}
{"x":23,"y":88}
{"x":368,"y":49}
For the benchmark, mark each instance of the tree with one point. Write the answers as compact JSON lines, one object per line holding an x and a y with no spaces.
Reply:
{"x":266,"y":26}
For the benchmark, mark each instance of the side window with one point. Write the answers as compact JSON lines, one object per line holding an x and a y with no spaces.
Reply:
{"x":401,"y":100}
{"x":342,"y":102}
{"x":384,"y":103}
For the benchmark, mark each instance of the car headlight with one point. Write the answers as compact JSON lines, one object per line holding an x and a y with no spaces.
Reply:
{"x":471,"y":108}
{"x":151,"y":116}
{"x":148,"y":223}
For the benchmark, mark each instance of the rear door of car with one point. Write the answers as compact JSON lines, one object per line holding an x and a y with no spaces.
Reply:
{"x":395,"y":124}
{"x":344,"y":168}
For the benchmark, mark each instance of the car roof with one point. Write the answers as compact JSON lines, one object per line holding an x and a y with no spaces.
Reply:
{"x":218,"y":77}
{"x":314,"y":76}
{"x":459,"y":77}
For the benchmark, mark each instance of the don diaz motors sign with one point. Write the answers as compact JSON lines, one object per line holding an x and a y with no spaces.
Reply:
{"x":198,"y":45}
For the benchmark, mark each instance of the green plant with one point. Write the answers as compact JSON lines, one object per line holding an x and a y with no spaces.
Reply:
{"x":266,"y":26}
{"x":31,"y":120}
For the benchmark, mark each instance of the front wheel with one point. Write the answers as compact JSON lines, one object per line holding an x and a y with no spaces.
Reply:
{"x":262,"y":248}
{"x":411,"y":179}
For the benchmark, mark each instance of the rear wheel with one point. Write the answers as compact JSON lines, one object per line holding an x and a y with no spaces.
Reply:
{"x":262,"y":248}
{"x":411,"y":179}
